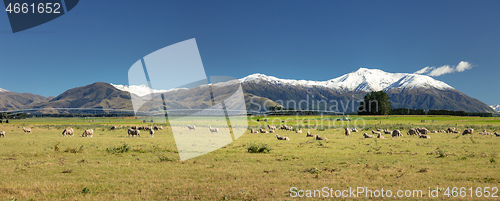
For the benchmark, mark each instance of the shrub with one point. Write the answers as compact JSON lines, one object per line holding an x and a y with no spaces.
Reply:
{"x":164,"y":158}
{"x":258,"y":149}
{"x":74,"y":150}
{"x":120,"y":149}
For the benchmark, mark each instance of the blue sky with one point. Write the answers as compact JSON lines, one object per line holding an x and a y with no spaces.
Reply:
{"x":313,"y":40}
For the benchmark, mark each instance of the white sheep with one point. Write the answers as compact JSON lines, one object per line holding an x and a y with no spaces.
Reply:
{"x":133,"y":132}
{"x":191,"y":127}
{"x":26,"y":130}
{"x":396,"y":133}
{"x":263,"y":131}
{"x":298,"y":131}
{"x":375,"y":132}
{"x":158,"y":128}
{"x":310,"y":135}
{"x":68,"y":131}
{"x":113,"y":127}
{"x":347,"y":132}
{"x":468,"y":131}
{"x":88,"y":133}
{"x":369,"y":136}
{"x":152,"y":132}
{"x":380,"y":136}
{"x":424,"y":136}
{"x":213,"y":130}
{"x":412,"y":132}
{"x":2,"y":133}
{"x":281,"y":137}
{"x":321,"y":138}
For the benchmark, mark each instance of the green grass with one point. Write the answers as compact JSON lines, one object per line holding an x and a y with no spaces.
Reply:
{"x":45,"y":165}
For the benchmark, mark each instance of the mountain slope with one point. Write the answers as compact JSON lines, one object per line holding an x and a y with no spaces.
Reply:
{"x":97,"y":95}
{"x":13,"y":101}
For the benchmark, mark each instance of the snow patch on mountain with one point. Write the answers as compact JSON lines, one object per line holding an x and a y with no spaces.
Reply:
{"x":140,"y":90}
{"x":496,"y":107}
{"x":3,"y":90}
{"x":361,"y":80}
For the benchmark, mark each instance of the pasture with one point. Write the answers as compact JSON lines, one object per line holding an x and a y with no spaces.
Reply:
{"x":44,"y":165}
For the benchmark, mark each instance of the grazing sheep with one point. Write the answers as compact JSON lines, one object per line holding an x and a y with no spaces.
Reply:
{"x":298,"y":131}
{"x":423,"y":130}
{"x":148,"y":128}
{"x":158,"y":128}
{"x":441,"y":131}
{"x":498,"y":135}
{"x":369,"y":136}
{"x":193,"y":127}
{"x":310,"y":135}
{"x":424,"y":136}
{"x":133,"y":132}
{"x":140,"y":128}
{"x":26,"y":130}
{"x":396,"y":133}
{"x":152,"y":132}
{"x":88,"y":133}
{"x":271,"y":127}
{"x":263,"y":131}
{"x":68,"y":131}
{"x":2,"y":133}
{"x":412,"y":132}
{"x":254,"y":131}
{"x":321,"y":138}
{"x":134,"y":127}
{"x":272,"y":131}
{"x":379,"y":130}
{"x":468,"y":131}
{"x":380,"y":136}
{"x":433,"y":131}
{"x":387,"y":131}
{"x":347,"y":132}
{"x":281,"y":137}
{"x":113,"y":127}
{"x":485,"y":133}
{"x":354,"y":130}
{"x":451,"y":130}
{"x":375,"y":132}
{"x":213,"y":130}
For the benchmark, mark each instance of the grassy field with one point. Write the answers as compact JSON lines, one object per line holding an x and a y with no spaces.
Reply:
{"x":45,"y":165}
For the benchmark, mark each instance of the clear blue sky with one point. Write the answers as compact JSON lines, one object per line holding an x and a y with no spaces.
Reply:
{"x":313,"y":40}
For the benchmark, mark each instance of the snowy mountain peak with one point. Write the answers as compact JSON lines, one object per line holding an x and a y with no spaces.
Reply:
{"x":496,"y":107}
{"x":3,"y":90}
{"x":363,"y":79}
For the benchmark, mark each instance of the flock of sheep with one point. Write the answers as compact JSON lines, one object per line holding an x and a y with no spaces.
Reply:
{"x":420,"y":132}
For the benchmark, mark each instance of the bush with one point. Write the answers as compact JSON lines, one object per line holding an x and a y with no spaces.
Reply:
{"x":74,"y":150}
{"x":258,"y":149}
{"x":120,"y":149}
{"x":164,"y":158}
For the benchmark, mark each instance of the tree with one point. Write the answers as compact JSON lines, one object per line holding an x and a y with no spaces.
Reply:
{"x":375,"y":103}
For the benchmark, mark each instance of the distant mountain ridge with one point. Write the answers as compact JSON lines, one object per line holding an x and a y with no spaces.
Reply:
{"x":405,"y":90}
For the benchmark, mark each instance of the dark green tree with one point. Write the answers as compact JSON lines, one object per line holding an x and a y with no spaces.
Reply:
{"x":375,"y":103}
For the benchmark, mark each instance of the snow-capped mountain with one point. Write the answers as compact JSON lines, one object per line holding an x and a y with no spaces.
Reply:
{"x":3,"y":90}
{"x":406,"y":90}
{"x":361,"y":80}
{"x":140,"y":90}
{"x":496,"y":107}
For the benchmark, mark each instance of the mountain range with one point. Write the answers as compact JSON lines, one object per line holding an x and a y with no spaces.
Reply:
{"x":342,"y":94}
